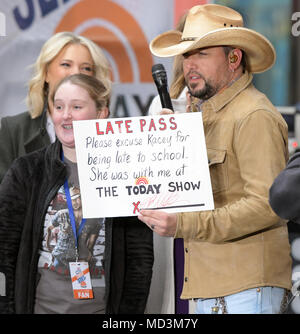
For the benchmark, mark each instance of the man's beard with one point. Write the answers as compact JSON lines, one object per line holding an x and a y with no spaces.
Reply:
{"x":205,"y":93}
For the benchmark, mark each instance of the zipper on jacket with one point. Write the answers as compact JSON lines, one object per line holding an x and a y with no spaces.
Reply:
{"x":34,"y":263}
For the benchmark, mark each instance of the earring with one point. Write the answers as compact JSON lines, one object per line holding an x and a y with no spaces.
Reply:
{"x":233,"y":58}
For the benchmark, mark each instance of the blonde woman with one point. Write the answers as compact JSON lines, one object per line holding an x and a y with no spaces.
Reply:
{"x":63,"y":54}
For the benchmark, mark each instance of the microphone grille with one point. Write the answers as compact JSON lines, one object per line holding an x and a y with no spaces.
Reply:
{"x":158,"y":68}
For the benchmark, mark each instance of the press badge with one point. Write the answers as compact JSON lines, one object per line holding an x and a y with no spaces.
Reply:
{"x":81,"y":280}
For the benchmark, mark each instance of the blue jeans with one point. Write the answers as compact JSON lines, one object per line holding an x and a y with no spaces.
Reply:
{"x":253,"y":301}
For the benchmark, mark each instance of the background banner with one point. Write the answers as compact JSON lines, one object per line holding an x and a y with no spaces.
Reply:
{"x":122,"y":28}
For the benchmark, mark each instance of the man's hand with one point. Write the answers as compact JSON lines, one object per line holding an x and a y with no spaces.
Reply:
{"x":160,"y":222}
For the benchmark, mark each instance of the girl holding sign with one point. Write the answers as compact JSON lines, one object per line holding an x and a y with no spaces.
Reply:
{"x":52,"y":258}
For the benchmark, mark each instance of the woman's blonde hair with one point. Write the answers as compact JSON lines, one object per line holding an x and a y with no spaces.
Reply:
{"x":178,"y":81}
{"x":96,"y":89}
{"x":38,"y":88}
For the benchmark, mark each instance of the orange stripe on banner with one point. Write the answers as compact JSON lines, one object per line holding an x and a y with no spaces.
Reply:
{"x":116,"y":15}
{"x":74,"y":278}
{"x":182,"y":6}
{"x":109,"y":41}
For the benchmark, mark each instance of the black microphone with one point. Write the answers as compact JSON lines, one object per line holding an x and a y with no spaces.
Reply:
{"x":160,"y":78}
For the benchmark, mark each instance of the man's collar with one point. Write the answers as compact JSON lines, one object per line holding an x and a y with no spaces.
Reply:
{"x":218,"y":101}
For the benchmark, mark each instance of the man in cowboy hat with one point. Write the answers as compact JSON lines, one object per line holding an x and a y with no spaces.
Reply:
{"x":237,"y":257}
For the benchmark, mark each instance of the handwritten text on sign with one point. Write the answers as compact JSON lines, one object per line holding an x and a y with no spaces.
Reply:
{"x":152,"y":162}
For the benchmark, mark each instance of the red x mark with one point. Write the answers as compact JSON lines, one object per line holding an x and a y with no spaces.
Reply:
{"x":136,"y":207}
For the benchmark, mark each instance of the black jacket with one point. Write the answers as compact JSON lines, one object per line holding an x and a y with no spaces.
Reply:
{"x":285,"y":191}
{"x":25,"y":194}
{"x":19,"y":135}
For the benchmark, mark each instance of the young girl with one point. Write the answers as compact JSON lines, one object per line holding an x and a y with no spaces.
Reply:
{"x":43,"y":235}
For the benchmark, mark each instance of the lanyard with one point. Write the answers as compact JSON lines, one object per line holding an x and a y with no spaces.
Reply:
{"x":72,"y":217}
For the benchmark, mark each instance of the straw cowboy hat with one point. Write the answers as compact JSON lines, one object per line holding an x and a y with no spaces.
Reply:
{"x":215,"y":25}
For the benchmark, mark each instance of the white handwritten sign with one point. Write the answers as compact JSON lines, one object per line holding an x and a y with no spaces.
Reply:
{"x":152,"y":162}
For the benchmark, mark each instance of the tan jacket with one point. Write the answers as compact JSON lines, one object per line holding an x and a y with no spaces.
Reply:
{"x":242,"y":243}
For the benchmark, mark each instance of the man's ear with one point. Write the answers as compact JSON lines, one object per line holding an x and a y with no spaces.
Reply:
{"x":235,"y":58}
